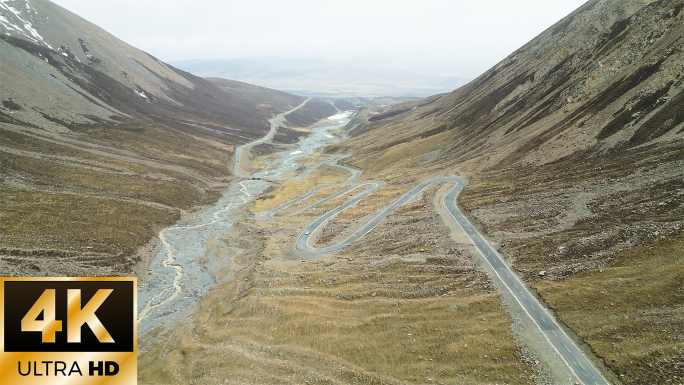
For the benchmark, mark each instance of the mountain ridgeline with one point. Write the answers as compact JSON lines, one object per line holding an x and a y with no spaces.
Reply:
{"x":102,"y":145}
{"x":574,"y":151}
{"x":609,"y":76}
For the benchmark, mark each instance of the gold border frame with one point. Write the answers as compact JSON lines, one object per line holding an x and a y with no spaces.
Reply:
{"x":128,"y":361}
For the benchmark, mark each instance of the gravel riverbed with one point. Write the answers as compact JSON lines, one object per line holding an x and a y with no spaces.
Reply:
{"x":177,"y":276}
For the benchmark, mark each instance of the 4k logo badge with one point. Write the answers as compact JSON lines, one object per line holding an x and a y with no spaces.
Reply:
{"x":79,"y":331}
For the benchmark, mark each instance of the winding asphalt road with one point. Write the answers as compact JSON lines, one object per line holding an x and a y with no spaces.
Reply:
{"x":332,"y":161}
{"x":567,"y":350}
{"x":572,"y":356}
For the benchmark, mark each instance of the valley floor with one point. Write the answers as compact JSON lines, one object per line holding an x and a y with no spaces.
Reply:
{"x":408,"y":303}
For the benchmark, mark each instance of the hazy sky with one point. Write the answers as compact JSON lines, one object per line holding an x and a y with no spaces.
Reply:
{"x":463,"y":37}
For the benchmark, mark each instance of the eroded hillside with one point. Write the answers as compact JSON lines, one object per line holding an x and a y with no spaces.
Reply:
{"x":574,"y":150}
{"x":102,"y":145}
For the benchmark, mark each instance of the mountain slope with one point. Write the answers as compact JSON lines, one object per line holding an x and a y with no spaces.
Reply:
{"x":570,"y":82}
{"x":103,"y":145}
{"x":574,"y":150}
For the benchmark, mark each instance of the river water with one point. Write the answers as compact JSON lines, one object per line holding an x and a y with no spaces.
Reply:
{"x":177,"y":278}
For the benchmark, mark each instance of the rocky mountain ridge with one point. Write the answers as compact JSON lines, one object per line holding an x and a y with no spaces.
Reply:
{"x":607,"y":76}
{"x":574,"y":151}
{"x":102,"y":145}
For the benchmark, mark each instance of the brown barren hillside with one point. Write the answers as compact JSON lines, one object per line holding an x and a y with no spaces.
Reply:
{"x":314,"y":111}
{"x":102,"y":145}
{"x":574,"y":151}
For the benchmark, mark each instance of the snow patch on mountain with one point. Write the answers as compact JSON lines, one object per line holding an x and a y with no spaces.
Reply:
{"x":12,"y":19}
{"x":4,"y":21}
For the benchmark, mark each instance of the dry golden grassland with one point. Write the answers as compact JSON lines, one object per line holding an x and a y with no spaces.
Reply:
{"x":94,"y":209}
{"x":291,"y":189}
{"x":307,"y":162}
{"x":45,"y":222}
{"x":405,"y":305}
{"x":173,"y":147}
{"x":583,"y":190}
{"x":631,"y":311}
{"x":517,"y":207}
{"x":323,"y":207}
{"x":614,"y":266}
{"x":395,"y":160}
{"x":371,"y":320}
{"x":170,"y":192}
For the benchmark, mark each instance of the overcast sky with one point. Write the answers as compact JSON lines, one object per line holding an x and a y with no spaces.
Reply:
{"x":460,"y":37}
